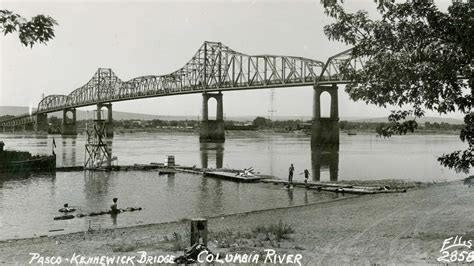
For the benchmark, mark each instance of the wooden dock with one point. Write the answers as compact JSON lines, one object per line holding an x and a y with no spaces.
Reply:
{"x":335,"y":187}
{"x":310,"y":183}
{"x":233,"y":176}
{"x":135,"y":167}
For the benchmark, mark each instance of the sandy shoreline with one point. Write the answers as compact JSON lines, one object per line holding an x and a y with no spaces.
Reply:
{"x":385,"y":228}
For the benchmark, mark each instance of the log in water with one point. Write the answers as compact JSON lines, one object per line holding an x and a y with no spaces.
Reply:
{"x":80,"y":215}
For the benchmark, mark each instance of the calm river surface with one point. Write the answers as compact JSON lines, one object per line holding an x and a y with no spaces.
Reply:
{"x":29,"y":203}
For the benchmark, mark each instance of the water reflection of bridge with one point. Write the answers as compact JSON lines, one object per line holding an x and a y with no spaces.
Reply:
{"x":213,"y":152}
{"x":325,"y":158}
{"x":68,"y":151}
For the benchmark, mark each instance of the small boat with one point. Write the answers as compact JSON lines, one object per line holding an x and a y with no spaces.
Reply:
{"x":351,"y":133}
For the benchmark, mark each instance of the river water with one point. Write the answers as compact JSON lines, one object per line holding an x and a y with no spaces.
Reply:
{"x":28,"y":203}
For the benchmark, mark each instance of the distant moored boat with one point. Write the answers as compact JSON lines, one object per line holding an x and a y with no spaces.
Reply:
{"x":22,"y":161}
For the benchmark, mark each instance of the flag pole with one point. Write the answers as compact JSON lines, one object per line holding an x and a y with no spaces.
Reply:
{"x":53,"y":146}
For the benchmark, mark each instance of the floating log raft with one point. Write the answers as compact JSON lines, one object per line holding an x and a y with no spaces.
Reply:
{"x":348,"y":190}
{"x":56,"y":230}
{"x":311,"y":183}
{"x":80,"y":215}
{"x":64,"y":217}
{"x":337,"y":188}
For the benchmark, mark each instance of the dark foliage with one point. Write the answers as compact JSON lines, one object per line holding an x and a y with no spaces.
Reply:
{"x":40,"y":29}
{"x":416,"y":57}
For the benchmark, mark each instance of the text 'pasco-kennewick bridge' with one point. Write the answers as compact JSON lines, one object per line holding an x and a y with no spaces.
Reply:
{"x":215,"y":68}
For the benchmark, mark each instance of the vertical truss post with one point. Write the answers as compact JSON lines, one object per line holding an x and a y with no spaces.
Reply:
{"x":205,"y":67}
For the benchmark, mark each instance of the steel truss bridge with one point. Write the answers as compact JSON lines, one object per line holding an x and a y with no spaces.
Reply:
{"x":214,"y":67}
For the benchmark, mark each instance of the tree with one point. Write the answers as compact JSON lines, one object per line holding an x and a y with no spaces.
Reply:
{"x":40,"y":29}
{"x":261,"y":122}
{"x":416,"y":58}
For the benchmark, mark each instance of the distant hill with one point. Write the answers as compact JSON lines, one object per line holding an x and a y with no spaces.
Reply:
{"x":419,"y":120}
{"x":14,"y":110}
{"x":18,"y":110}
{"x":80,"y":115}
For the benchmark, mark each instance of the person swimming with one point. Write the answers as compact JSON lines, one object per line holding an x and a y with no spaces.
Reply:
{"x":66,"y":208}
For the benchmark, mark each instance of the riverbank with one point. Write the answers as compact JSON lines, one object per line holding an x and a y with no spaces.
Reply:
{"x":387,"y":228}
{"x":239,"y":132}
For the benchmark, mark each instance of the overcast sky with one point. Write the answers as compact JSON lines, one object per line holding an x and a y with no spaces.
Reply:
{"x":155,"y":38}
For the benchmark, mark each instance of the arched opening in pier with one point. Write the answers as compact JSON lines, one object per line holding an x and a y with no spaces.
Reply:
{"x":103,"y":112}
{"x":325,"y":104}
{"x":212,"y":108}
{"x":69,"y":116}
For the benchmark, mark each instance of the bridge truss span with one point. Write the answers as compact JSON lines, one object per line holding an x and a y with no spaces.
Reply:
{"x":102,"y":87}
{"x":51,"y":103}
{"x":336,"y":66}
{"x":214,"y":67}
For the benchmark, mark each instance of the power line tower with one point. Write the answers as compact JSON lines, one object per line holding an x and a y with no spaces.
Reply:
{"x":272,"y":110}
{"x":271,"y":116}
{"x":97,"y":154}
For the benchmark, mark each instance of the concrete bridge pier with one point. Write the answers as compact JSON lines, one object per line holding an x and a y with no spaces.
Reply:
{"x":41,"y":124}
{"x":69,"y":126}
{"x":212,"y":130}
{"x":29,"y":127}
{"x":109,"y":122}
{"x":325,"y":130}
{"x":9,"y":128}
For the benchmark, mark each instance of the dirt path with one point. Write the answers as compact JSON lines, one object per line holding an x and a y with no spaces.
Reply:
{"x":385,"y":228}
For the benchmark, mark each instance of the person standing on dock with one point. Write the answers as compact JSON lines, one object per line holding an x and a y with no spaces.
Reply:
{"x":290,"y":175}
{"x":306,"y":176}
{"x":113,"y":207}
